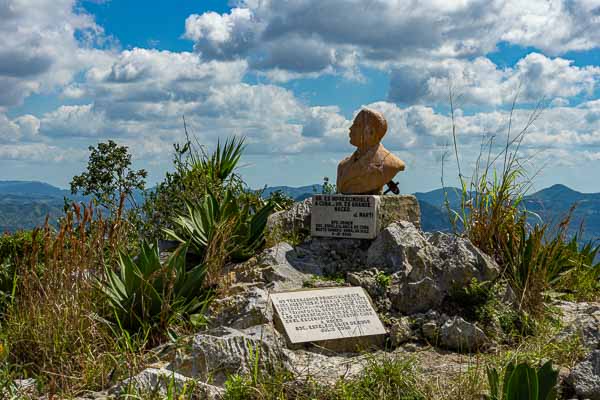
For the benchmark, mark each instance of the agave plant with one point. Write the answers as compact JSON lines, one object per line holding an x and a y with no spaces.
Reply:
{"x":582,"y":279}
{"x":537,"y":262}
{"x":588,"y":256}
{"x":522,"y":382}
{"x":223,"y":161}
{"x":146,"y":291}
{"x":205,"y":221}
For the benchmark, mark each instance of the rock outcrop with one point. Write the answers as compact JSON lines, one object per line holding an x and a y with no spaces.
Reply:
{"x":409,"y":275}
{"x":295,"y":221}
{"x":402,"y":248}
{"x":458,"y":334}
{"x":585,"y":377}
{"x":158,"y":380}
{"x":424,"y":268}
{"x":221,"y":352}
{"x":582,"y":319}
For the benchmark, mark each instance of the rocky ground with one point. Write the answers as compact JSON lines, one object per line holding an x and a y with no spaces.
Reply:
{"x":411,"y":277}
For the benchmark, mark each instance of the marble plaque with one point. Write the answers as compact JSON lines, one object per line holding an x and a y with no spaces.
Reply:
{"x":344,"y":216}
{"x":326,"y":314}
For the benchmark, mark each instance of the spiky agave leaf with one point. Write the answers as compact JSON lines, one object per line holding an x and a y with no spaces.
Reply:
{"x":547,"y":379}
{"x":148,"y":292}
{"x":522,"y":384}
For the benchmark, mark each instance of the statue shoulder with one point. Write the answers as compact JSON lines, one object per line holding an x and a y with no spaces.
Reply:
{"x":344,"y":162}
{"x":390,"y":160}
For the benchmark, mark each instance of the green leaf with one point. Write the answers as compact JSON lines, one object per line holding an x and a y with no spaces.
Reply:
{"x":148,"y":293}
{"x":493,"y":381}
{"x":547,"y":379}
{"x":523,"y":384}
{"x":507,"y":375}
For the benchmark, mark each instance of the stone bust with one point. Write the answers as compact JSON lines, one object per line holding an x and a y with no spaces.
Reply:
{"x":371,"y":166}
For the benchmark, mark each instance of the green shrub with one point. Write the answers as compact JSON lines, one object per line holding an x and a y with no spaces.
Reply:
{"x":147,"y":292}
{"x":492,"y":215}
{"x":221,"y":163}
{"x":523,"y":382}
{"x":490,"y":203}
{"x":389,"y":378}
{"x":238,"y":387}
{"x":582,"y":280}
{"x":109,"y":178}
{"x":165,"y":388}
{"x":482,"y":302}
{"x":537,"y":262}
{"x":219,"y":230}
{"x":15,"y":245}
{"x":13,"y":249}
{"x":472,"y":299}
{"x":532,"y":264}
{"x":383,"y":279}
{"x":195,"y":174}
{"x":280,"y":200}
{"x":328,"y":188}
{"x":516,"y":324}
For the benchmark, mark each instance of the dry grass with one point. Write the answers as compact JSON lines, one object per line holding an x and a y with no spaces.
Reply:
{"x":54,"y":330}
{"x":218,"y":252}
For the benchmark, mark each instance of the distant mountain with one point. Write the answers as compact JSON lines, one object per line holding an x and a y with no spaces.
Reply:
{"x":31,"y":189}
{"x":550,"y":204}
{"x":438,"y":197}
{"x":296,"y":193}
{"x":563,"y":195}
{"x":554,"y":203}
{"x":25,"y":204}
{"x":27,"y":211}
{"x":433,"y":218}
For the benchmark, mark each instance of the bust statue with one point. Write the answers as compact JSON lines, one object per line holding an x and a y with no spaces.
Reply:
{"x":371,"y":166}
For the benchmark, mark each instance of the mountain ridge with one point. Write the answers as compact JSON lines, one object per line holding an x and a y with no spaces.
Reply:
{"x":551,"y":204}
{"x":24,"y":204}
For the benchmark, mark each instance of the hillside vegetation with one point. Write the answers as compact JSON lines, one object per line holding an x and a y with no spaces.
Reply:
{"x":24,"y":205}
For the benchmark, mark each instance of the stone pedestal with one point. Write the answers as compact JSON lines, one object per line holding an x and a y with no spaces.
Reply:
{"x":360,"y":216}
{"x":297,"y":221}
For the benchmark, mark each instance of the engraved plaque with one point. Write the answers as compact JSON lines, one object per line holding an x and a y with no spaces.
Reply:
{"x":344,"y":216}
{"x":326,"y":314}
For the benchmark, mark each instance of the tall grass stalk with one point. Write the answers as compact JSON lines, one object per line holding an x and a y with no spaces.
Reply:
{"x":534,"y":258}
{"x":53,"y":330}
{"x":490,"y":200}
{"x":492,"y":216}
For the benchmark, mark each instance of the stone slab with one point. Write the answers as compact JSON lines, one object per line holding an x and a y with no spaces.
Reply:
{"x":345,"y":216}
{"x":319,"y":315}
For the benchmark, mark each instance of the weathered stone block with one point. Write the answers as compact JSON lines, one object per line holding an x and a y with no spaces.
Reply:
{"x":297,"y":220}
{"x":399,"y":208}
{"x":360,"y":216}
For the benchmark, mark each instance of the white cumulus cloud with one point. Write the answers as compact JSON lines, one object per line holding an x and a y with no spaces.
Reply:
{"x":39,"y":46}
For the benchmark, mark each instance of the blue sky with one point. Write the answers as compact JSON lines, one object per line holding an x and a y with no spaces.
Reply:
{"x":290,"y":75}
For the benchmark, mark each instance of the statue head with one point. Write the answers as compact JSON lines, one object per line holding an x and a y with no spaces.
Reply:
{"x":368,"y":129}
